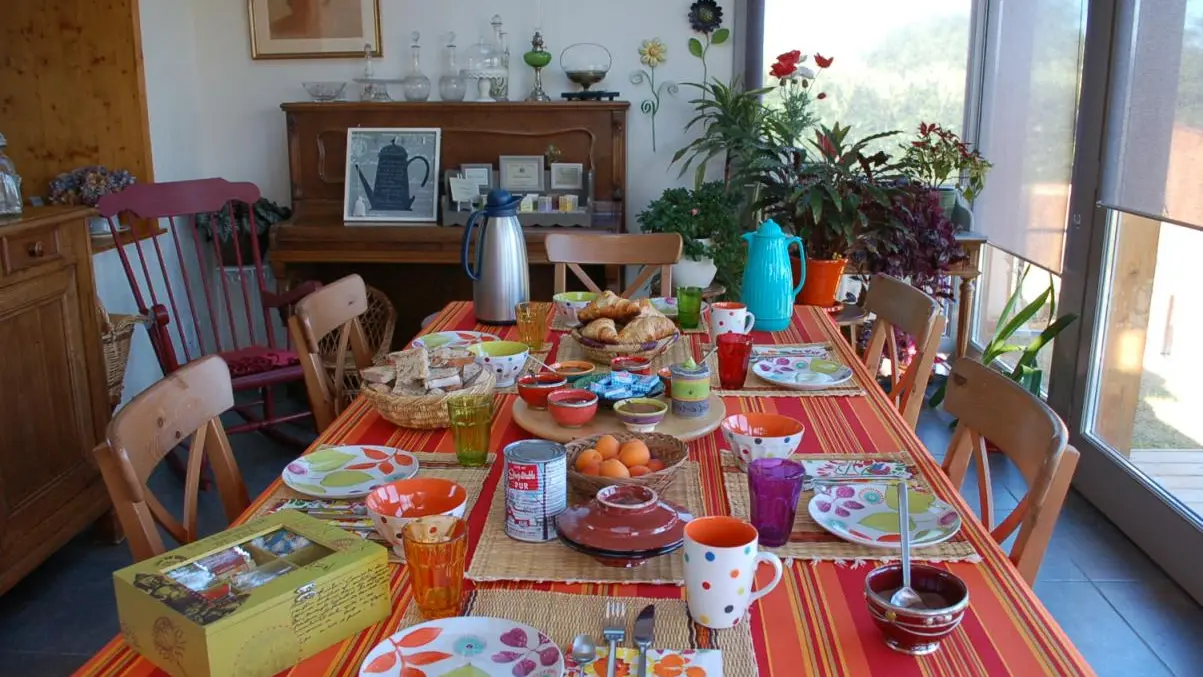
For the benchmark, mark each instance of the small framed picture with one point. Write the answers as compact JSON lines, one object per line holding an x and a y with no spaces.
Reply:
{"x":481,"y":174}
{"x":567,"y":176}
{"x":392,"y":175}
{"x":521,"y":173}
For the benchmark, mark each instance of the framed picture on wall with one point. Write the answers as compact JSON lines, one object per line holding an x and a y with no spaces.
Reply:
{"x":521,"y":173}
{"x":312,"y":29}
{"x":392,"y":175}
{"x":567,"y":176}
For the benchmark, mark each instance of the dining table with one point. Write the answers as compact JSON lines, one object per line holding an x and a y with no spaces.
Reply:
{"x":815,"y":622}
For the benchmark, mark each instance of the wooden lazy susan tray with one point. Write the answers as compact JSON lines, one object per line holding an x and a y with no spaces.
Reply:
{"x":540,"y":423}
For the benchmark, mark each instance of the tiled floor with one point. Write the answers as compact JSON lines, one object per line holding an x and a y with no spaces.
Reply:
{"x":1115,"y":604}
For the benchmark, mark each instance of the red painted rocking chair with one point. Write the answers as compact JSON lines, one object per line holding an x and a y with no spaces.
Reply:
{"x":213,"y":309}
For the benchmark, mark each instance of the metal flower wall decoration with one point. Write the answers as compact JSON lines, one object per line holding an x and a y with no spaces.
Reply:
{"x":653,"y":53}
{"x":706,"y":18}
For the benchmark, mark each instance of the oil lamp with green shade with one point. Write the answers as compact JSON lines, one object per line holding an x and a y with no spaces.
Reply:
{"x":538,"y":58}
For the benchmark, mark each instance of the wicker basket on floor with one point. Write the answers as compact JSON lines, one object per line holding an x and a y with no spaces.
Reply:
{"x":424,"y":412}
{"x":116,"y":332}
{"x":670,"y":450}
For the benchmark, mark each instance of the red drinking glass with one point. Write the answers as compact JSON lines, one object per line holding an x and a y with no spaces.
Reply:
{"x":734,"y":354}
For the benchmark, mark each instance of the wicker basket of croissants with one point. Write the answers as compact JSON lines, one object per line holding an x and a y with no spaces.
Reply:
{"x":612,"y":326}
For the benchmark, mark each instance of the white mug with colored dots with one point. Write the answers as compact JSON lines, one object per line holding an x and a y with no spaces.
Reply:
{"x":728,"y":317}
{"x":721,"y":558}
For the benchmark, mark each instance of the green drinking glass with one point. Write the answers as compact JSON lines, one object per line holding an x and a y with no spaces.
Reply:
{"x":689,"y":307}
{"x":471,"y":427}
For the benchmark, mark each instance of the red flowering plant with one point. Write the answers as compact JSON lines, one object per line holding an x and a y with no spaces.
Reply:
{"x":938,"y":154}
{"x":795,"y":82}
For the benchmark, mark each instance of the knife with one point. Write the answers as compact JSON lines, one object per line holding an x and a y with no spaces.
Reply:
{"x":645,"y":625}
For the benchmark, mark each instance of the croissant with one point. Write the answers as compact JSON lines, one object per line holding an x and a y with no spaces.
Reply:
{"x":647,"y":309}
{"x":644,"y":329}
{"x":603,"y":330}
{"x":609,"y":305}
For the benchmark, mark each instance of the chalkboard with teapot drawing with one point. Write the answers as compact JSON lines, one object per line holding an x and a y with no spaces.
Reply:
{"x":392,"y":175}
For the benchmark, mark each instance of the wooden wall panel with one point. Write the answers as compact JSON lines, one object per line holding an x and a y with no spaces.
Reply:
{"x":72,"y":89}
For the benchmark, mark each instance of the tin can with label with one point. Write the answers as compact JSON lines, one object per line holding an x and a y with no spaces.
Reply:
{"x":536,"y":489}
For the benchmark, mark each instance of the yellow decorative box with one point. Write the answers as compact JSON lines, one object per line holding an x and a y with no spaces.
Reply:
{"x":253,"y":600}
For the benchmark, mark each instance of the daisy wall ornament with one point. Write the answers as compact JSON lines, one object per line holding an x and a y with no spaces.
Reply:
{"x":653,"y":53}
{"x":706,"y":18}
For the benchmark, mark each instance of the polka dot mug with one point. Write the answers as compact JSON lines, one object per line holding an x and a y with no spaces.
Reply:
{"x":721,"y":558}
{"x":728,"y":317}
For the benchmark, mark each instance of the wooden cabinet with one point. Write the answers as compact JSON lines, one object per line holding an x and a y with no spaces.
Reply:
{"x":52,"y":387}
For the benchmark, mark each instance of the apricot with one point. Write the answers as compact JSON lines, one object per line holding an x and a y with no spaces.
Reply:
{"x":655,"y":465}
{"x":613,"y":467}
{"x":639,"y":470}
{"x":588,"y":457}
{"x":634,"y":453}
{"x":592,"y":469}
{"x":607,"y":446}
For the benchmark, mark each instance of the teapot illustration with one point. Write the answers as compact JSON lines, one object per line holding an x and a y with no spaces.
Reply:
{"x":391,"y":192}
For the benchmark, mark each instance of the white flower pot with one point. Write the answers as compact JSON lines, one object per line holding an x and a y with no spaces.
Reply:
{"x":694,"y":273}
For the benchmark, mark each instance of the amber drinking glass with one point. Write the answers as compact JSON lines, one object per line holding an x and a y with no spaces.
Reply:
{"x":471,"y":419}
{"x":435,"y":548}
{"x":532,"y":324}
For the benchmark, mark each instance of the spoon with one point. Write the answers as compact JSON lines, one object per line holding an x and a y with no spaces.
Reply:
{"x":584,"y":651}
{"x":540,"y":363}
{"x":905,"y":597}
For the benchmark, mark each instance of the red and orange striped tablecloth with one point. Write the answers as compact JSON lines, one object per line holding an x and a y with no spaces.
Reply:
{"x":815,"y":622}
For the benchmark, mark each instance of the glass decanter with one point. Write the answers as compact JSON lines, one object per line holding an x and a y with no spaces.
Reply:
{"x":416,"y":86}
{"x":10,"y":184}
{"x":452,"y":85}
{"x":500,"y":86}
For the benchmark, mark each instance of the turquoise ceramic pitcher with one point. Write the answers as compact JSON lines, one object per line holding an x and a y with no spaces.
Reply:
{"x":768,"y":289}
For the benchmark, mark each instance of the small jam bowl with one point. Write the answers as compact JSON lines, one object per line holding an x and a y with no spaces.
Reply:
{"x":641,"y":366}
{"x":397,"y":503}
{"x":570,"y":303}
{"x":573,"y":370}
{"x":504,"y":358}
{"x":666,"y":377}
{"x":752,"y":436}
{"x":534,"y":388}
{"x":640,"y":414}
{"x":572,"y":408}
{"x":916,"y":631}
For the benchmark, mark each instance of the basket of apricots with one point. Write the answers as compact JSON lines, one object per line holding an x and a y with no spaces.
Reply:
{"x":646,"y":459}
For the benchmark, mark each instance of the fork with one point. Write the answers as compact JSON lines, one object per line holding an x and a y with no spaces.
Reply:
{"x":614,"y":630}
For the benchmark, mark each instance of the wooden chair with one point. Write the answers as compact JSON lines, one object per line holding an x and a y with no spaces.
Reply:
{"x":569,"y":251}
{"x":379,"y":322}
{"x":187,"y":402}
{"x":334,"y":308}
{"x":199,"y":307}
{"x":899,"y":306}
{"x":990,"y":406}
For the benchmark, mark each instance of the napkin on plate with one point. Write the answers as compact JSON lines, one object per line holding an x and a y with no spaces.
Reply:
{"x":866,"y":469}
{"x":660,"y":663}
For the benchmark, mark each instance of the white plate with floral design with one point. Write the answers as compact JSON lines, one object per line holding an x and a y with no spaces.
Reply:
{"x":802,"y":373}
{"x":348,"y":472}
{"x":465,"y":646}
{"x":867,"y":513}
{"x":454,"y":339}
{"x":668,"y":305}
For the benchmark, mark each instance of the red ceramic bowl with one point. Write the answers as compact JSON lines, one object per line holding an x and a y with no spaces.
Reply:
{"x":916,"y":631}
{"x":572,"y":408}
{"x":636,"y":365}
{"x":624,"y":526}
{"x":534,"y":388}
{"x":666,"y":377}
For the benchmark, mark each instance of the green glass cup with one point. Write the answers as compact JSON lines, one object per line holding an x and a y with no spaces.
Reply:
{"x":471,"y":427}
{"x":689,"y":307}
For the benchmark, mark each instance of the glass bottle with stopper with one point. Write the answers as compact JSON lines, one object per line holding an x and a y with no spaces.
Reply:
{"x":538,"y":58}
{"x":416,"y":86}
{"x":587,"y":64}
{"x":371,"y":88}
{"x":452,"y":85}
{"x":10,"y":183}
{"x":500,"y":87}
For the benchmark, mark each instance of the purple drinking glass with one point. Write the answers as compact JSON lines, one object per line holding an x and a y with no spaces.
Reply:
{"x":774,"y":485}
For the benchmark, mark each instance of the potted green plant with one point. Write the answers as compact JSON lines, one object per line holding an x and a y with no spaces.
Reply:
{"x":234,"y":230}
{"x":937,"y":155}
{"x":707,"y":219}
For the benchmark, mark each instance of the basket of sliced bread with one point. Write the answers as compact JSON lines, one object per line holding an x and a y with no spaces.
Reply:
{"x":411,"y":388}
{"x":612,"y":326}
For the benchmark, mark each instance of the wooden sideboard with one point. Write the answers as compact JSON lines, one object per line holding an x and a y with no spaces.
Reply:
{"x":55,"y":402}
{"x":401,"y":259}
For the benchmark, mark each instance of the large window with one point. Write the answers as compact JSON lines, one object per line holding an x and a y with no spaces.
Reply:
{"x":897,"y":63}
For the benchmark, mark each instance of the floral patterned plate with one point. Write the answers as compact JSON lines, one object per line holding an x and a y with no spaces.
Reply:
{"x":465,"y":646}
{"x":802,"y":373}
{"x":454,"y":339}
{"x":867,"y":513}
{"x":348,"y":472}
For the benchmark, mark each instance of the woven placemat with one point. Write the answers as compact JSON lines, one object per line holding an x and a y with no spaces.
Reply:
{"x":560,"y":323}
{"x":501,"y":558}
{"x":754,"y":386}
{"x":809,"y":541}
{"x":563,"y":616}
{"x":679,"y":351}
{"x":531,"y":367}
{"x":443,"y":466}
